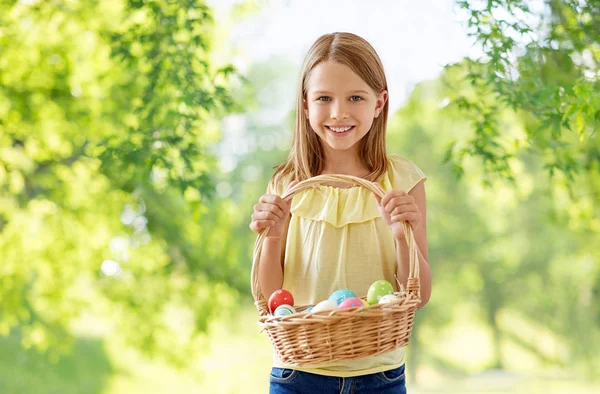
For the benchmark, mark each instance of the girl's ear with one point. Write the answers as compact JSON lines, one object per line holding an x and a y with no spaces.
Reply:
{"x":381,"y":100}
{"x":305,"y":107}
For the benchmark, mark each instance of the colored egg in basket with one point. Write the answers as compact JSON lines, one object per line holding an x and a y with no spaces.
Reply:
{"x":340,"y":295}
{"x":388,"y":299}
{"x":351,"y":303}
{"x":284,"y":310}
{"x":327,"y":305}
{"x":280,"y":297}
{"x":377,"y":290}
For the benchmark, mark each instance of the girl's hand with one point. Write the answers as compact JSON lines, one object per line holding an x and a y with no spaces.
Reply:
{"x":271,"y":211}
{"x":398,"y":206}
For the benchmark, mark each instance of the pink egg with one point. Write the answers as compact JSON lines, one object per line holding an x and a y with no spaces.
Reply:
{"x":351,"y":303}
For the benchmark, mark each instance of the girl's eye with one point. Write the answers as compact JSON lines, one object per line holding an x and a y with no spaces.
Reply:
{"x":326,"y":98}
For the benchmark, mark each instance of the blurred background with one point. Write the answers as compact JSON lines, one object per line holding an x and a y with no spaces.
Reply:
{"x":136,"y":136}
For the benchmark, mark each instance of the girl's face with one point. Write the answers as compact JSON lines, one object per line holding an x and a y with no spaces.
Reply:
{"x":341,"y":106}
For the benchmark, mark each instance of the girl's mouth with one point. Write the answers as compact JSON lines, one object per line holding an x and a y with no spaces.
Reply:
{"x":340,"y":131}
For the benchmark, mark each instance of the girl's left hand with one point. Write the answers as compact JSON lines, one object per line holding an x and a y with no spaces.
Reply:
{"x":398,"y":206}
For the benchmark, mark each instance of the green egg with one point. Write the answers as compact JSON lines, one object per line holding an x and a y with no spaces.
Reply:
{"x":379,"y":289}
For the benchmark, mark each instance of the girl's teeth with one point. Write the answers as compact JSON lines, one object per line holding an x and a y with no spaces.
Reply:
{"x":340,"y":129}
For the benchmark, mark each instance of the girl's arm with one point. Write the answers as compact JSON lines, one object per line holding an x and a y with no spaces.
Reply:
{"x":270,"y":269}
{"x":420,"y":233}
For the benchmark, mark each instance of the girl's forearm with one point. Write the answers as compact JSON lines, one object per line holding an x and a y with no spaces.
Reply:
{"x":404,"y":268}
{"x":270,"y":270}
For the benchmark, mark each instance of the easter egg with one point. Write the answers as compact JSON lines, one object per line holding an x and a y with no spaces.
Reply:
{"x":284,"y":310}
{"x":327,"y":305}
{"x":389,"y":298}
{"x":340,"y":295}
{"x":310,"y":308}
{"x":377,"y":290}
{"x":351,"y":303}
{"x":280,"y":297}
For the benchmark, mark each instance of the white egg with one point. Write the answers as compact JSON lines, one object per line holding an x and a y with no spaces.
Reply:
{"x":389,"y":298}
{"x":327,"y":305}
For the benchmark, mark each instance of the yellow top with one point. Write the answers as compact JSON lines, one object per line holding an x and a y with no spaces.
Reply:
{"x":338,"y":240}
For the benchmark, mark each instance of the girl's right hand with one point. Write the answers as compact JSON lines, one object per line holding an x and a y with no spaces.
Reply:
{"x":271,"y":211}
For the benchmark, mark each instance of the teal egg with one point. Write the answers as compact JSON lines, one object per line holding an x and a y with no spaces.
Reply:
{"x":340,"y":295}
{"x":284,"y":310}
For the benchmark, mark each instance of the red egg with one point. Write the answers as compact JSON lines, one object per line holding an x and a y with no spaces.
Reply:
{"x":280,"y":297}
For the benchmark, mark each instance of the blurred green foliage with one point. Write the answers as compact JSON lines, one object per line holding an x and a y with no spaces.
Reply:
{"x":544,"y":65}
{"x":532,"y":106}
{"x":107,"y":112}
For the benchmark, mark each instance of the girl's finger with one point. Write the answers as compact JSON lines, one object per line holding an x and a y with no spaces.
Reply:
{"x":404,"y":217}
{"x":265,"y":215}
{"x":389,"y":195}
{"x":271,"y":199}
{"x":404,"y":208}
{"x":262,"y":207}
{"x":258,"y":225}
{"x":401,"y":200}
{"x":281,"y":203}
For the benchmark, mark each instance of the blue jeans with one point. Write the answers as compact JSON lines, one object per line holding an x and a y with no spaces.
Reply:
{"x":290,"y":381}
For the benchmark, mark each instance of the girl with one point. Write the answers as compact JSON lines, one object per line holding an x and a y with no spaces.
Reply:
{"x":333,"y":236}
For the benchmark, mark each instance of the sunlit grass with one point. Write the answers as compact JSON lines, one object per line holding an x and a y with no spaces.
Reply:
{"x":237,"y":360}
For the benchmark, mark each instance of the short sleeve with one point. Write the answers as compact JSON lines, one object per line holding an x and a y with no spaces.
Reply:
{"x":402,"y":174}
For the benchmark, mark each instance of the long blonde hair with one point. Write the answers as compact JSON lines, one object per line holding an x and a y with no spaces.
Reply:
{"x":306,"y":155}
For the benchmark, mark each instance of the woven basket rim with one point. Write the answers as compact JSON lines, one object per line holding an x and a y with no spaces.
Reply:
{"x":321,"y":317}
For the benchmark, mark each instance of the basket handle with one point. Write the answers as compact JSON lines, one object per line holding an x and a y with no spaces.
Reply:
{"x":413,"y":274}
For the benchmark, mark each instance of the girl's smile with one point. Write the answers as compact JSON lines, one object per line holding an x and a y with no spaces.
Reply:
{"x":340,"y":131}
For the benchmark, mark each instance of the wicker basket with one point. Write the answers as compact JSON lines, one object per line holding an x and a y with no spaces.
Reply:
{"x":307,"y":338}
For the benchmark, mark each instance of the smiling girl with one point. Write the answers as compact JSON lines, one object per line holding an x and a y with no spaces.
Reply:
{"x":333,"y":236}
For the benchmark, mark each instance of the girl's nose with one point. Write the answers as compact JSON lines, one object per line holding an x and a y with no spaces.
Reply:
{"x":339,"y":110}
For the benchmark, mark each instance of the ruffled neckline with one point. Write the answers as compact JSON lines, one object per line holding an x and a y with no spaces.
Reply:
{"x":336,"y":205}
{"x":340,"y":206}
